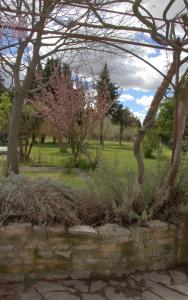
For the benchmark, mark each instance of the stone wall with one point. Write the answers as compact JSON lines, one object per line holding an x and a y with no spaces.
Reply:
{"x":99,"y":251}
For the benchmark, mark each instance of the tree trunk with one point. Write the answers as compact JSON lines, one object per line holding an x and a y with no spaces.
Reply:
{"x":42,"y":138}
{"x":175,"y":112}
{"x":30,"y":147}
{"x":54,"y":139}
{"x":163,"y":195}
{"x":101,"y":139}
{"x":149,"y":120}
{"x":21,"y":154}
{"x":120,"y":135}
{"x":72,"y":144}
{"x":14,"y":128}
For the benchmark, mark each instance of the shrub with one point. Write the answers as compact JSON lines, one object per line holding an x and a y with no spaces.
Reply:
{"x":83,"y":164}
{"x":91,"y":210}
{"x":179,"y":196}
{"x":147,"y":148}
{"x":126,"y":201}
{"x":38,"y":202}
{"x":150,"y":143}
{"x":119,"y":191}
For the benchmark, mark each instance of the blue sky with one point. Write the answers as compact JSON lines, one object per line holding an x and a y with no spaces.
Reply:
{"x":137,"y":101}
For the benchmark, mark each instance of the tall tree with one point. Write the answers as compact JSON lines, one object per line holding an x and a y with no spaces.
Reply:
{"x":107,"y":95}
{"x":123,"y":117}
{"x":5,"y":110}
{"x":69,"y":109}
{"x":164,"y":120}
{"x":30,"y":124}
{"x":50,"y":66}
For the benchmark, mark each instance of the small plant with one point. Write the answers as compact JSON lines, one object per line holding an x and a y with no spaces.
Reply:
{"x":83,"y":164}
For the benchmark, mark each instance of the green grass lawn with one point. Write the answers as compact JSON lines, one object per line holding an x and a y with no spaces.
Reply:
{"x":49,"y":155}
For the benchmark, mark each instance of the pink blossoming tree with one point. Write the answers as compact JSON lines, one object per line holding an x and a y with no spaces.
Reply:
{"x":70,"y":109}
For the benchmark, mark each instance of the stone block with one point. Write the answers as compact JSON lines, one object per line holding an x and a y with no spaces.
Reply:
{"x":6,"y":248}
{"x":63,"y":254}
{"x":92,"y":261}
{"x":15,"y":229}
{"x":82,"y":230}
{"x":85,"y":247}
{"x":115,"y":230}
{"x":157,"y":225}
{"x":81,"y":274}
{"x":178,"y":277}
{"x":56,"y":230}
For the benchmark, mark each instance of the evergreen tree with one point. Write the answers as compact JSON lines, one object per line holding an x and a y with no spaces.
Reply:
{"x":49,"y":68}
{"x":107,"y":95}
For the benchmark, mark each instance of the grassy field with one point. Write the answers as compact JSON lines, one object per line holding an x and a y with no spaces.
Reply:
{"x":49,"y":156}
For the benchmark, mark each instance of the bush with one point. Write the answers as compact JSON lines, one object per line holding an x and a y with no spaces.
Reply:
{"x":150,"y":143}
{"x":178,"y":197}
{"x":119,"y":191}
{"x":38,"y":202}
{"x":147,"y":149}
{"x":83,"y":164}
{"x":127,"y":202}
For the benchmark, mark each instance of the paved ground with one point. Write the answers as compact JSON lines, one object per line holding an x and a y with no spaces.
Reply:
{"x":166,"y":285}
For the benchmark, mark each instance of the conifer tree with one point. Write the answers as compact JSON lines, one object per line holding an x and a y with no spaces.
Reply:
{"x":107,"y":95}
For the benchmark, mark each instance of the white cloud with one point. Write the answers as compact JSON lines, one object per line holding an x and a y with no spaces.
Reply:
{"x":140,"y":115}
{"x":127,"y":71}
{"x":126,"y":97}
{"x":145,"y":101}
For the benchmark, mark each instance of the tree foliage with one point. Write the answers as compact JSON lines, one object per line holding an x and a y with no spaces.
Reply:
{"x":30,"y":125}
{"x":69,"y":107}
{"x":107,"y":91}
{"x":107,"y":95}
{"x":165,"y":119}
{"x":5,"y":109}
{"x":150,"y":143}
{"x":123,"y":117}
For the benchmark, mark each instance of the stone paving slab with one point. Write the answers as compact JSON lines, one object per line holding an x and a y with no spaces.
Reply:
{"x":168,"y":285}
